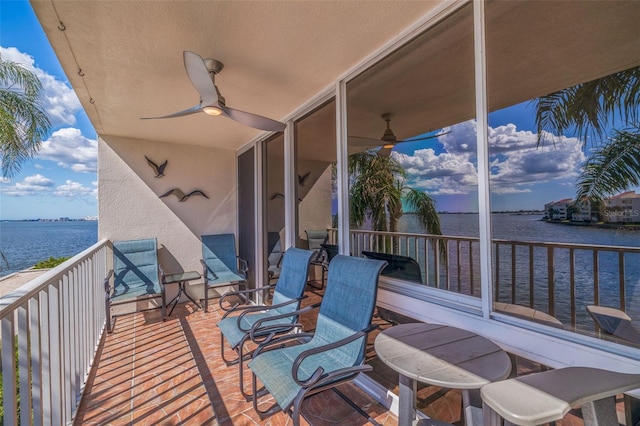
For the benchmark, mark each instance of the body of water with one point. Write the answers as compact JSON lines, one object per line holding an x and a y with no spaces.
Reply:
{"x":530,"y":228}
{"x":507,"y":226}
{"x":25,"y":243}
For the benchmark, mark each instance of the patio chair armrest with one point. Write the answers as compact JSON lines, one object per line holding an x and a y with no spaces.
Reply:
{"x":243,"y":266}
{"x":205,"y":271}
{"x":257,"y":308}
{"x":259,"y":328}
{"x":254,"y":308}
{"x":318,"y":375}
{"x":269,"y":332}
{"x":242,"y":294}
{"x":280,"y":341}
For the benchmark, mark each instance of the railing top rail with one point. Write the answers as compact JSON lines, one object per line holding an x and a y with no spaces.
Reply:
{"x":17,"y":297}
{"x":598,"y":247}
{"x":574,"y":246}
{"x":407,"y":234}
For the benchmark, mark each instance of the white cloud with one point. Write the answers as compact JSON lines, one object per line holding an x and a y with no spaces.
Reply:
{"x":59,"y":100}
{"x":38,"y":185}
{"x":31,"y":185}
{"x":74,"y":190}
{"x":516,"y":161}
{"x":70,"y":149}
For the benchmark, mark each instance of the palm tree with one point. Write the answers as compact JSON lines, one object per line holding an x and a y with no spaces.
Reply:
{"x":378,"y":191}
{"x":590,"y":108}
{"x":23,"y":123}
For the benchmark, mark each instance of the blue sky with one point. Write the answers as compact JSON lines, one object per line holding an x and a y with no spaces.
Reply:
{"x":61,"y":180}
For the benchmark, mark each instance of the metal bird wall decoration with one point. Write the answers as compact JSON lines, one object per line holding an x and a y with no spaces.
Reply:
{"x":302,"y":179}
{"x":181,"y":195}
{"x":159,"y":170}
{"x":276,"y":195}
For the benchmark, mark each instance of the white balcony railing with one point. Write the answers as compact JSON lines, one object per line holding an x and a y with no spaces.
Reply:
{"x":54,"y":324}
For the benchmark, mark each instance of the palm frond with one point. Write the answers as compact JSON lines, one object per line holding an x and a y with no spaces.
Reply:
{"x":589,"y":107}
{"x":612,"y":168}
{"x":23,"y":121}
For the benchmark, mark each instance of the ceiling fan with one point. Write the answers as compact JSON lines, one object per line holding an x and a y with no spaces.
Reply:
{"x":202,"y":74}
{"x":388,"y":141}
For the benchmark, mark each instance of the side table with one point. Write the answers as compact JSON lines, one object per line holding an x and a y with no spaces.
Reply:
{"x":442,"y":356}
{"x":181,"y":279}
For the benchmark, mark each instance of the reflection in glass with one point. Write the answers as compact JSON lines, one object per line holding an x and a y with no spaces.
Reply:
{"x":275,"y":204}
{"x":563,"y":136}
{"x":413,"y":165}
{"x":315,"y":139}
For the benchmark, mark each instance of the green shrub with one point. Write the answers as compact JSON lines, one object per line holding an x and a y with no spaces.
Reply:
{"x":51,"y":262}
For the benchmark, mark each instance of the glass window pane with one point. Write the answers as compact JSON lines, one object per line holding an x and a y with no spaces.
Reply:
{"x":274,"y":206}
{"x":413,"y":165}
{"x":315,"y":138}
{"x":563,"y":94}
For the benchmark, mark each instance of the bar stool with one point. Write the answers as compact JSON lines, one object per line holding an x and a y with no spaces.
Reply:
{"x":548,"y":396}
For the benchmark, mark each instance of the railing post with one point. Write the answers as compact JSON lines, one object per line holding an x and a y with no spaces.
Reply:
{"x":9,"y":388}
{"x":531,"y":280}
{"x":572,"y":285}
{"x":623,"y":301}
{"x":497,"y":271}
{"x":513,"y":273}
{"x":551,"y":280}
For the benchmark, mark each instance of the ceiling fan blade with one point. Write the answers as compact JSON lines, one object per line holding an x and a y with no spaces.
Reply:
{"x":253,"y":120}
{"x":362,"y":141}
{"x":423,"y":139}
{"x":191,"y":110}
{"x":200,"y":78}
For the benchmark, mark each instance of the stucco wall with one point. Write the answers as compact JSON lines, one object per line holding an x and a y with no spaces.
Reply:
{"x":130,"y":207}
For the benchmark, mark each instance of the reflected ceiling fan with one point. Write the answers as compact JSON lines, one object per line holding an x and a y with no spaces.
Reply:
{"x":202,"y":74}
{"x":388,"y":141}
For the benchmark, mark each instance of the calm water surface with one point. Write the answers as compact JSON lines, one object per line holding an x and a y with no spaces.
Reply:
{"x":25,"y":243}
{"x":531,"y":229}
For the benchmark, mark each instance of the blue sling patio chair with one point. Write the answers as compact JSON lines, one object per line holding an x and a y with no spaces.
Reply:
{"x":261,"y":323}
{"x":137,"y":275}
{"x":221,"y":267}
{"x":315,"y":239}
{"x":333,"y":354}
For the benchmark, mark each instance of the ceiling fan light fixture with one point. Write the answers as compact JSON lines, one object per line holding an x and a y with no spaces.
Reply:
{"x":389,"y":145}
{"x":212,"y":110}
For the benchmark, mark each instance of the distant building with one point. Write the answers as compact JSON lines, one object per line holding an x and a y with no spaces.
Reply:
{"x":622,"y":208}
{"x":558,"y":210}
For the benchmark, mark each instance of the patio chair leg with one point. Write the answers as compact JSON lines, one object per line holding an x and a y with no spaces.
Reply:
{"x":222,"y":345}
{"x":206,"y":297}
{"x":241,"y":359}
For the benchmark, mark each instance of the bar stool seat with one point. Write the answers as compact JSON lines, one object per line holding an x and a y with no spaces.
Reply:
{"x":548,"y":396}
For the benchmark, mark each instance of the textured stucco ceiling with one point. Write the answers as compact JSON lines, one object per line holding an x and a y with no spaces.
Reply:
{"x":277,"y":55}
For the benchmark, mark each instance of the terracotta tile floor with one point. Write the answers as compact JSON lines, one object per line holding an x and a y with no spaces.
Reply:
{"x":154,"y":372}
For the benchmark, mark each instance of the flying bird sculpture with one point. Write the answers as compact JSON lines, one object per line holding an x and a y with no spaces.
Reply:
{"x":302,"y":179}
{"x":181,"y":195}
{"x":159,"y":170}
{"x":276,"y":195}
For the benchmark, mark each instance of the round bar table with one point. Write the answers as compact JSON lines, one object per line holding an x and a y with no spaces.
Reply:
{"x":442,"y":356}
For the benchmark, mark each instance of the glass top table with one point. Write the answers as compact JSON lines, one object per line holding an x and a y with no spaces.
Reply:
{"x":181,"y":278}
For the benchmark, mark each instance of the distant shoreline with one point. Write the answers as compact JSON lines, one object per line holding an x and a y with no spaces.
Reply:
{"x":62,"y":219}
{"x":635,"y":226}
